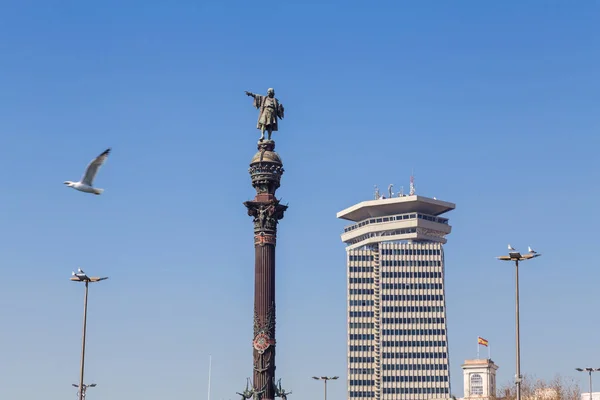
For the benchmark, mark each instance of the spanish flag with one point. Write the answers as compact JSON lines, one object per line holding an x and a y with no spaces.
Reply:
{"x":482,"y":341}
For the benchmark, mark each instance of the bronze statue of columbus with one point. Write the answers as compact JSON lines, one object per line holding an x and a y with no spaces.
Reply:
{"x":269,"y":110}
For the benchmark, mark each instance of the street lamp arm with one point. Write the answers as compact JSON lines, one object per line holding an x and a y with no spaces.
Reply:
{"x":325,"y":378}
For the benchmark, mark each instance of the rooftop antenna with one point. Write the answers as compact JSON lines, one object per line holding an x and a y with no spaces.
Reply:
{"x":401,"y":193}
{"x":412,"y":183}
{"x":377,"y":195}
{"x":390,"y":190}
{"x":209,"y":371}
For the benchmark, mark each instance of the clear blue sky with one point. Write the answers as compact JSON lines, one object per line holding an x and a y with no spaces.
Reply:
{"x":494,"y":105}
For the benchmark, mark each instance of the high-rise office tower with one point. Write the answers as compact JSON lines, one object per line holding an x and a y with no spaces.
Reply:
{"x":397,"y":337}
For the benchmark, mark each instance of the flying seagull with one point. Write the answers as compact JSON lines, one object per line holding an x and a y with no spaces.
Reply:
{"x":532,"y":251}
{"x":510,"y":248}
{"x":86,"y":182}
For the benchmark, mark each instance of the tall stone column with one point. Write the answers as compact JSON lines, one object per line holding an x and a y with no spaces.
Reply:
{"x":265,"y":170}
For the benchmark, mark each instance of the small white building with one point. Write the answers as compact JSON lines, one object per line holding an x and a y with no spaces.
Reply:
{"x":545,"y":394}
{"x":586,"y":396}
{"x":479,"y":379}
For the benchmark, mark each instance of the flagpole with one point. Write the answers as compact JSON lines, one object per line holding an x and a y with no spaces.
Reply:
{"x":478,"y":348}
{"x":489,"y":352}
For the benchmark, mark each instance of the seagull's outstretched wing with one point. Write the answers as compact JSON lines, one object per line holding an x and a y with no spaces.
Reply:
{"x":92,"y":168}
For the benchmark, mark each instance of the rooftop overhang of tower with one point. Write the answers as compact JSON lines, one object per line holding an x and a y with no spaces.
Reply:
{"x":410,"y":229}
{"x":395,"y":238}
{"x":395,"y":205}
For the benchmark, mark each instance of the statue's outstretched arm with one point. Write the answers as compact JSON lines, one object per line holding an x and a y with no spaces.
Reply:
{"x":250,"y":94}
